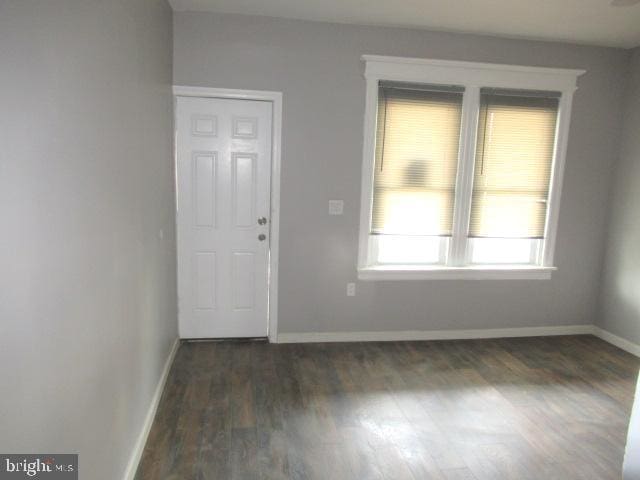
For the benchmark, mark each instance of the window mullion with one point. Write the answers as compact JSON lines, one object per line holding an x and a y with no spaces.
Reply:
{"x":464,"y":179}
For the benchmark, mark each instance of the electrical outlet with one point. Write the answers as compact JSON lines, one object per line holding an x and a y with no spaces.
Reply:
{"x":336,"y":207}
{"x":351,"y":289}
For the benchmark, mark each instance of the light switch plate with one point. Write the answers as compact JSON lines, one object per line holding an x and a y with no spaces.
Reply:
{"x":336,"y":207}
{"x":351,"y":289}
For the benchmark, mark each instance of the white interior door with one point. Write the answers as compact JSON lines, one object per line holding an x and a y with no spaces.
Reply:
{"x":223,"y":190}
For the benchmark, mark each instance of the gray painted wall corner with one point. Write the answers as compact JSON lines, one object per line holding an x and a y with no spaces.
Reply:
{"x":87,"y":284}
{"x":620,"y":296}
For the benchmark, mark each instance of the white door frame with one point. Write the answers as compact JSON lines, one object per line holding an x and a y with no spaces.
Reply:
{"x":274,"y":228}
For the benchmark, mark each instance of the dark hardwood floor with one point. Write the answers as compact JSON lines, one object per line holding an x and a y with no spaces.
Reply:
{"x":548,"y":408}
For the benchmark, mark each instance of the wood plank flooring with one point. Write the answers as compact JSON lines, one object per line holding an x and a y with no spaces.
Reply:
{"x":548,"y":408}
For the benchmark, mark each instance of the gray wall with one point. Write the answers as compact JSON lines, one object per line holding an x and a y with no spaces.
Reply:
{"x":621,"y":290}
{"x":317,"y":67}
{"x":87,"y":287}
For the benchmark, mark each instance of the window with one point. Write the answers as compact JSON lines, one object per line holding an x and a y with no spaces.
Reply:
{"x":462,"y":169}
{"x":416,"y":160}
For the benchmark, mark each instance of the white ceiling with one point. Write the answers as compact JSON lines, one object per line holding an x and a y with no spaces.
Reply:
{"x":593,"y":22}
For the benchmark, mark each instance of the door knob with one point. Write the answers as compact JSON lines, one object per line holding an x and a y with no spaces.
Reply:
{"x":262,"y":221}
{"x":262,"y":237}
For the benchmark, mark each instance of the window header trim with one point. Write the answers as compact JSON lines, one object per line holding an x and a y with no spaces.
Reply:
{"x":492,"y":75}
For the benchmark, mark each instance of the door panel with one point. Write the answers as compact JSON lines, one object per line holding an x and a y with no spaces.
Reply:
{"x":223,"y":178}
{"x":244,"y":192}
{"x":204,"y":184}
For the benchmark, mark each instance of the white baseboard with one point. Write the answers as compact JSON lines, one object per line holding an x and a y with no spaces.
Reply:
{"x":619,"y":342}
{"x":134,"y":460}
{"x":386,"y":336}
{"x":433,"y":334}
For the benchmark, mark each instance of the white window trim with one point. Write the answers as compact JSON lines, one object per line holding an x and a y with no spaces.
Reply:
{"x":472,"y":76}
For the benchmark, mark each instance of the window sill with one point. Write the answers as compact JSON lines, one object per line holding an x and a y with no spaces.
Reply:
{"x":438,"y":272}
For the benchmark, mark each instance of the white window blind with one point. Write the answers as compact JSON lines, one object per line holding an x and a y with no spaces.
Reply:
{"x":416,"y":159}
{"x":514,"y":156}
